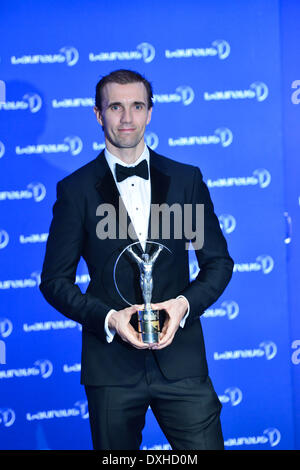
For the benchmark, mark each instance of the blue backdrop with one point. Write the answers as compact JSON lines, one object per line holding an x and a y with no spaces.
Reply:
{"x":223,"y":75}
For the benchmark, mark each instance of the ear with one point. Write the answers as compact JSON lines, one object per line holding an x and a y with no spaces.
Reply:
{"x":98,"y":115}
{"x":149,"y":115}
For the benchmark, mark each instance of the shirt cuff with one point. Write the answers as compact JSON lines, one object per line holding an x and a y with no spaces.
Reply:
{"x":109,"y":333}
{"x":182,"y":323}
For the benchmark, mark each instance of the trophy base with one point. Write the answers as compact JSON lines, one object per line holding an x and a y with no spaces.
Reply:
{"x":149,"y":329}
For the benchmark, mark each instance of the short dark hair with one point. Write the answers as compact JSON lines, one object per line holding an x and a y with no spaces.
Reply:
{"x":122,"y":76}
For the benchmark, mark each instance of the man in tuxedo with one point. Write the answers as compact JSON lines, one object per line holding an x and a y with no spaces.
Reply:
{"x":122,"y":375}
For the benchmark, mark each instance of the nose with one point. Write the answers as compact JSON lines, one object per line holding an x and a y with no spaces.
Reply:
{"x":126,"y":116}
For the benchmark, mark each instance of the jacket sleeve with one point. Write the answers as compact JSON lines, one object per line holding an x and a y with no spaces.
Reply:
{"x":63,"y":252}
{"x":215,"y":263}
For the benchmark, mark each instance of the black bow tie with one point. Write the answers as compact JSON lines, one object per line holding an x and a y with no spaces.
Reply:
{"x":141,"y":170}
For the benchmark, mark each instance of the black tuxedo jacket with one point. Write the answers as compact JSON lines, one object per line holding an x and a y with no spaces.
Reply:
{"x":72,"y":235}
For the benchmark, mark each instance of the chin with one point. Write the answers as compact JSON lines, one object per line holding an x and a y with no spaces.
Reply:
{"x":129,"y":144}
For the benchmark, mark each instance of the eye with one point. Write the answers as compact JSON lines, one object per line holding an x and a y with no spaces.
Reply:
{"x":115,"y":107}
{"x":138,"y":106}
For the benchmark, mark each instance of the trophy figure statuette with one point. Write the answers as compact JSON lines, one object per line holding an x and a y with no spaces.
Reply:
{"x":148,"y":319}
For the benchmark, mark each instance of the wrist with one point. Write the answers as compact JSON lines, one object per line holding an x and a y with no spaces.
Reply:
{"x":112,"y":322}
{"x":182,"y":301}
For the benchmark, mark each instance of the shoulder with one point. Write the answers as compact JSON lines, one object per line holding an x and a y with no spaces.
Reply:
{"x":81,"y":177}
{"x":173,"y":167}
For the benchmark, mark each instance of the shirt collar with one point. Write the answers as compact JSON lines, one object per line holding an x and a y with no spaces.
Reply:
{"x":112,"y":159}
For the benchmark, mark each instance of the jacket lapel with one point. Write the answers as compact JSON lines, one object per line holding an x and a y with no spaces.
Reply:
{"x":160,"y":183}
{"x":109,"y":193}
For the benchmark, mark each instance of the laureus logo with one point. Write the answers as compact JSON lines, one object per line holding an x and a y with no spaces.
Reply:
{"x":228,"y":308}
{"x":266,"y":262}
{"x":2,"y":91}
{"x":2,"y":149}
{"x":144,"y":51}
{"x":147,"y":50}
{"x":45,"y":367}
{"x":34,"y":102}
{"x":4,"y":239}
{"x":223,"y":48}
{"x":227,"y":223}
{"x":30,"y":101}
{"x":232,"y":395}
{"x":225,"y":136}
{"x":38,"y":191}
{"x":183,"y":94}
{"x":219,"y":48}
{"x":2,"y":352}
{"x":269,"y":348}
{"x":151,"y":140}
{"x":187,"y":94}
{"x":7,"y":417}
{"x":6,"y":327}
{"x":83,"y":408}
{"x":261,"y":90}
{"x":263,"y":176}
{"x":71,"y":54}
{"x":269,"y":436}
{"x":231,"y":308}
{"x":273,"y":435}
{"x":75,"y":144}
{"x":67,"y":54}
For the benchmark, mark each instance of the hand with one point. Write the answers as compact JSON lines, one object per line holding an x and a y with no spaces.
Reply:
{"x":120,"y":321}
{"x":175,"y":310}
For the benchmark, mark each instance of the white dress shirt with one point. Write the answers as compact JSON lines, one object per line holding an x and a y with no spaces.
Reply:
{"x":136,"y":195}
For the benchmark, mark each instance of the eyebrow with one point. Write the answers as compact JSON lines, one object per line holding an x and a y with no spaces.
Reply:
{"x":114,"y":103}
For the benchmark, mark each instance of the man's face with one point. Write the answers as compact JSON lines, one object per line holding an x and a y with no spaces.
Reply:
{"x":124,"y":114}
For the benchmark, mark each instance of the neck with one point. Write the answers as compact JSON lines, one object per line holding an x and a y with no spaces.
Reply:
{"x":127,"y":155}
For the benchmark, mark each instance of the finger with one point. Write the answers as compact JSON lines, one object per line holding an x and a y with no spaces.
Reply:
{"x":167,"y":339}
{"x":164,"y":344}
{"x":132,"y":336}
{"x":132,"y":309}
{"x":139,"y":307}
{"x":164,"y":330}
{"x":167,"y":335}
{"x":159,"y":306}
